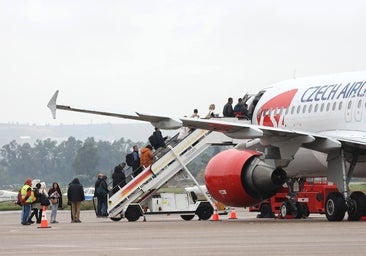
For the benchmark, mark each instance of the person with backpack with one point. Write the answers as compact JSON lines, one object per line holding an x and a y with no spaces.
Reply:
{"x":157,"y":140}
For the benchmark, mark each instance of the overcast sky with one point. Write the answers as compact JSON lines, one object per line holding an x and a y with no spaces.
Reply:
{"x":165,"y":57}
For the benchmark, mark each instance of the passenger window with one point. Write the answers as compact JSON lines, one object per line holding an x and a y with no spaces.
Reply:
{"x":292,"y":110}
{"x":349,"y":104}
{"x":334,"y":106}
{"x":304,"y":109}
{"x":322,"y":107}
{"x":298,"y":109}
{"x":340,"y":105}
{"x":328,"y":106}
{"x":316,"y":108}
{"x":310,"y":108}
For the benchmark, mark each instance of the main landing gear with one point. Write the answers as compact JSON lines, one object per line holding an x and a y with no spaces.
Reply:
{"x":338,"y":203}
{"x":336,"y":206}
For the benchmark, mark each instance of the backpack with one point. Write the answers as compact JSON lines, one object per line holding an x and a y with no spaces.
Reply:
{"x":19,"y":201}
{"x":129,"y":159}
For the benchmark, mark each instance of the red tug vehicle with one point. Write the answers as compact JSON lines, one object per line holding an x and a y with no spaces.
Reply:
{"x":308,"y":196}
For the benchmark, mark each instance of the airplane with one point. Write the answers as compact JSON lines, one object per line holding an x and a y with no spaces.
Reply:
{"x":88,"y":193}
{"x":6,"y":195}
{"x":303,"y":127}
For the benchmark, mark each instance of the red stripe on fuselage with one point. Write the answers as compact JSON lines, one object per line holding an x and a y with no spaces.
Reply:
{"x":282,"y":100}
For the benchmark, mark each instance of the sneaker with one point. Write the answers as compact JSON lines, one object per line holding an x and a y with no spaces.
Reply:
{"x":25,"y":223}
{"x":30,"y":221}
{"x":54,"y":221}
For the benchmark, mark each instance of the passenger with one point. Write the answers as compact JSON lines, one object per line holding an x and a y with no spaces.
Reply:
{"x":239,"y":108}
{"x":101,"y":192}
{"x":36,"y":205}
{"x":118,"y":177}
{"x":228,"y":108}
{"x":183,"y":132}
{"x":211,"y":113}
{"x":75,"y":195}
{"x":147,"y":156}
{"x":43,"y":199}
{"x":157,"y":140}
{"x":195,"y":114}
{"x":27,"y":197}
{"x":54,"y":195}
{"x":136,"y":169}
{"x":246,"y":112}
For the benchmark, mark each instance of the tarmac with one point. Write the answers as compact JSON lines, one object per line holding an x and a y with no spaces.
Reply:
{"x":170,"y":235}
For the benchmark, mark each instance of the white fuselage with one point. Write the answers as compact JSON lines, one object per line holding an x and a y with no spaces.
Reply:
{"x":333,"y":105}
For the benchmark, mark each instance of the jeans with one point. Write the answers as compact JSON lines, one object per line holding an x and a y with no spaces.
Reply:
{"x":25,"y":213}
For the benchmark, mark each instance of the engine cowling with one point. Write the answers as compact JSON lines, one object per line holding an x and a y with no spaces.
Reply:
{"x":239,"y":178}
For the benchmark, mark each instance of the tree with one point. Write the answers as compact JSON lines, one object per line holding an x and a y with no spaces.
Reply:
{"x":86,"y":160}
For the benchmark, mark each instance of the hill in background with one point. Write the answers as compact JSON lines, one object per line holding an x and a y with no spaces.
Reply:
{"x":25,"y":133}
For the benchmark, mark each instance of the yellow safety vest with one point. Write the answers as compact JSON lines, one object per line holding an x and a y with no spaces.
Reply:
{"x":23,"y":192}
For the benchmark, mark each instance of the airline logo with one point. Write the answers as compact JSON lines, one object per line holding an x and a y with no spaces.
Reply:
{"x":280,"y":101}
{"x":334,"y":92}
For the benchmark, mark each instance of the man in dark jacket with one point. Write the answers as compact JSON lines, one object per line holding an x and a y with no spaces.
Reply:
{"x":101,"y":192}
{"x":119,"y":177}
{"x":157,"y":140}
{"x":228,"y":108}
{"x":75,"y":195}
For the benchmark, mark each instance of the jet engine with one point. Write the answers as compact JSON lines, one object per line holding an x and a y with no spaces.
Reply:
{"x":240,"y":178}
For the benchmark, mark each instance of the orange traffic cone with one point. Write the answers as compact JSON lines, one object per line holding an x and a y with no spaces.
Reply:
{"x":44,"y":222}
{"x":215,"y":216}
{"x":232,"y":213}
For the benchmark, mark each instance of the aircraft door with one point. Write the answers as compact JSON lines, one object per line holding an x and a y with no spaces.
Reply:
{"x":348,"y":110}
{"x":358,"y":110}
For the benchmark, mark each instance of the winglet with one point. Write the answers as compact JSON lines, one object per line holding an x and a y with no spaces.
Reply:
{"x":52,"y":104}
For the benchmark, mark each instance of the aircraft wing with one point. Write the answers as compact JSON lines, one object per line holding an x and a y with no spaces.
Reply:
{"x":267,"y":135}
{"x":161,"y":122}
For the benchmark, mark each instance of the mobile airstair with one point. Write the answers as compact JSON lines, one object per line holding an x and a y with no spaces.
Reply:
{"x":171,"y":160}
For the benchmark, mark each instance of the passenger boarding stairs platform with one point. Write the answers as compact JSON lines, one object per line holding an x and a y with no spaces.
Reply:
{"x":172,"y":159}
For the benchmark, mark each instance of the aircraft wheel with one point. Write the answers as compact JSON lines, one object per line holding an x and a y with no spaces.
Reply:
{"x":204,"y":212}
{"x":187,"y":217}
{"x":266,"y":211}
{"x":132,"y":213}
{"x":335,"y":207}
{"x":285,"y":209}
{"x":305,"y":210}
{"x":298,"y":213}
{"x":116,"y":218}
{"x":359,"y":205}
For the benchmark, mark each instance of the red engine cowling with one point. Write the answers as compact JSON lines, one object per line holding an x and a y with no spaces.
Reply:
{"x":239,"y":178}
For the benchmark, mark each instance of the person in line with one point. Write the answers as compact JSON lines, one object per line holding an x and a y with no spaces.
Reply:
{"x":101,"y":192}
{"x":195,"y":114}
{"x":75,"y":195}
{"x":36,"y":205}
{"x":210,"y":113}
{"x":136,"y":169}
{"x":239,"y":108}
{"x":54,"y":195}
{"x":118,"y":177}
{"x":228,"y":108}
{"x":43,"y":199}
{"x":157,"y":140}
{"x":147,"y":156}
{"x":27,"y":198}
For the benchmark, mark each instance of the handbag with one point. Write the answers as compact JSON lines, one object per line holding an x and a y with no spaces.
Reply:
{"x":54,"y":200}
